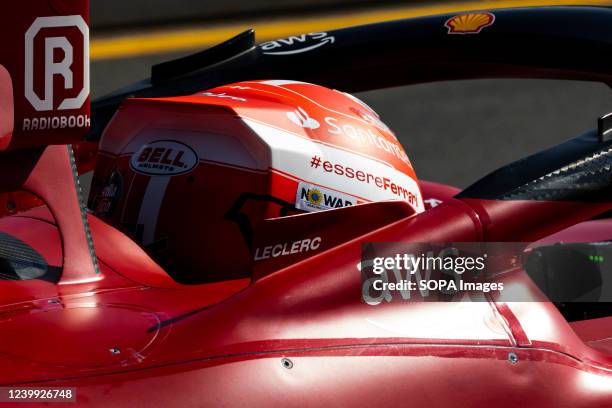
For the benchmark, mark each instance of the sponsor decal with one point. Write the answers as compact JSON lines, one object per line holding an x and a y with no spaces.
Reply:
{"x":364,"y":135}
{"x":432,"y":202}
{"x":360,"y":113}
{"x":56,"y":122}
{"x":470,"y":23}
{"x":315,"y":198}
{"x":164,"y":157}
{"x":287,"y":248}
{"x":296,"y":44}
{"x":365,"y":178}
{"x":381,"y":182}
{"x":223,"y":95}
{"x":369,"y":114}
{"x":359,"y":134}
{"x":106,"y":200}
{"x":372,"y":119}
{"x":53,"y":46}
{"x":301,"y":118}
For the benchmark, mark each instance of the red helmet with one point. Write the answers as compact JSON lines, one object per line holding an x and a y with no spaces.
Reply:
{"x":188,"y":177}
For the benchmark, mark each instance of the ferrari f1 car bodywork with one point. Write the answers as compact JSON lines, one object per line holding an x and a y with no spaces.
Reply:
{"x":82,"y":305}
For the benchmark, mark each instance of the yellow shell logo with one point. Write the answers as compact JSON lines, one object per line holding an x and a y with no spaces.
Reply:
{"x":314,"y":196}
{"x":471,"y":23}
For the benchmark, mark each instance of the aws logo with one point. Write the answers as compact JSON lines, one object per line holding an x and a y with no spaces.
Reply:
{"x":311,"y":198}
{"x":296,"y":44}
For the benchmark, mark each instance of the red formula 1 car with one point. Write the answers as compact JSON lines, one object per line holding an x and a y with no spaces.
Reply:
{"x":220,"y":261}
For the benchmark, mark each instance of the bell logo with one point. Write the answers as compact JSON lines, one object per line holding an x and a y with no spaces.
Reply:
{"x":164,"y":158}
{"x":51,"y":66}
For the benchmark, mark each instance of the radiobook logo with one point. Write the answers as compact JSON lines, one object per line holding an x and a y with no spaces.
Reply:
{"x":55,"y":56}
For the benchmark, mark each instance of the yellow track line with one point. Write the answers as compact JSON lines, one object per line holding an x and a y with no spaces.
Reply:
{"x":182,"y":40}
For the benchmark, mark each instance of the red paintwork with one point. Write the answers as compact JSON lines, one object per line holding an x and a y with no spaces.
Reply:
{"x":174,"y":337}
{"x":85,"y":154}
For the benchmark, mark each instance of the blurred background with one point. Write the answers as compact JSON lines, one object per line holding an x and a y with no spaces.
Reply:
{"x":454,"y":132}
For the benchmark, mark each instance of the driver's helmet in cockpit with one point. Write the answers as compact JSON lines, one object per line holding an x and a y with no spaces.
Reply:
{"x":190,"y":177}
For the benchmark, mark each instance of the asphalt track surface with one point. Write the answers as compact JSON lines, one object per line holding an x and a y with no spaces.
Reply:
{"x":454,"y":132}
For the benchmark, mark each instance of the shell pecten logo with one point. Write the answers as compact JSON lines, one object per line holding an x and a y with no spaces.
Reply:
{"x":469,"y":23}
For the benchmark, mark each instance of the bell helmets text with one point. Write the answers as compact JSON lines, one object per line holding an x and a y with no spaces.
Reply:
{"x":164,"y":157}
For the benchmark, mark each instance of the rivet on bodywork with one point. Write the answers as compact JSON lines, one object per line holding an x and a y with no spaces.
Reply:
{"x":114,"y":351}
{"x":286,"y":363}
{"x":513,"y":358}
